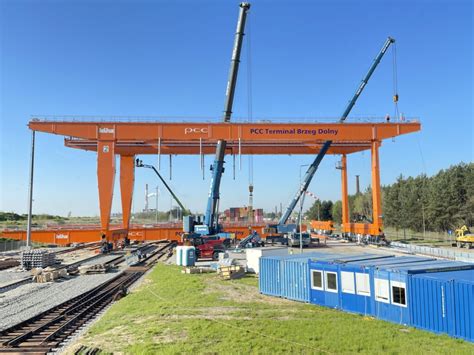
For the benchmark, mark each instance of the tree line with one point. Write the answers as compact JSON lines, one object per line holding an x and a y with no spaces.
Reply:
{"x":442,"y":202}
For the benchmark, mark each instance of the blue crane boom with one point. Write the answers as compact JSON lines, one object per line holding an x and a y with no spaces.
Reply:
{"x":211,"y":217}
{"x":364,"y":81}
{"x":315,"y":164}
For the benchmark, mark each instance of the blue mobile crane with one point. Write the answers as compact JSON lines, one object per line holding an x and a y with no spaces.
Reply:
{"x":277,"y":231}
{"x":210,"y":225}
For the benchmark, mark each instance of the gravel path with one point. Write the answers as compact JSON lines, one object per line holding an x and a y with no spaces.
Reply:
{"x":13,"y":274}
{"x":31,"y":299}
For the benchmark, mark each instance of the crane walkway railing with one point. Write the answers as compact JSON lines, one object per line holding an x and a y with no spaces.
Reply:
{"x":208,"y":119}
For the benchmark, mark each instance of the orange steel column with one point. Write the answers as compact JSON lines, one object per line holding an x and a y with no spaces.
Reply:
{"x":106,"y":179}
{"x":127,"y":180}
{"x":376,"y":192}
{"x":345,"y":198}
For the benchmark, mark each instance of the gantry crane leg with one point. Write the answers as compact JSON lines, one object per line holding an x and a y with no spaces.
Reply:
{"x":376,"y":190}
{"x":106,"y":179}
{"x":127,"y":180}
{"x":345,"y":197}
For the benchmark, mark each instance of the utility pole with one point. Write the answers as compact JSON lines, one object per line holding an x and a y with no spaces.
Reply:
{"x":156,"y":213}
{"x":30,"y":191}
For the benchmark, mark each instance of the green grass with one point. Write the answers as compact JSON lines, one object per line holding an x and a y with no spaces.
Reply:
{"x":176,"y":313}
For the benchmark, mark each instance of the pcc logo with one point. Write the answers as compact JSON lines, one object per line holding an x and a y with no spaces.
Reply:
{"x":189,"y":130}
{"x":106,"y":130}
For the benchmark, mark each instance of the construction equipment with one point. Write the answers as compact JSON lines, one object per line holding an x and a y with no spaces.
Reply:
{"x":251,"y":241}
{"x":313,"y":167}
{"x":211,"y":218}
{"x":139,"y":164}
{"x":464,"y":237}
{"x":206,"y":248}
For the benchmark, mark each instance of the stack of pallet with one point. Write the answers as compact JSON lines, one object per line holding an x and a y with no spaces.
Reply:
{"x":38,"y":258}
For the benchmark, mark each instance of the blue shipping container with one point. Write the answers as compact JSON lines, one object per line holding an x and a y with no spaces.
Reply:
{"x":269,"y":277}
{"x":356,"y":294}
{"x":391,"y":295}
{"x":272,"y":271}
{"x":443,"y":302}
{"x":327,"y":284}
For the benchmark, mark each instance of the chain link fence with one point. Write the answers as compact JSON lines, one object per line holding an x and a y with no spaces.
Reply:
{"x":11,"y":244}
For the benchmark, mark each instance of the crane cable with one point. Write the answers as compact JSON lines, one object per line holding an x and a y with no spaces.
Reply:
{"x":249,"y":91}
{"x":395,"y":81}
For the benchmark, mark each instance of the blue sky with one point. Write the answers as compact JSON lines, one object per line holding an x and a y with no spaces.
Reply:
{"x":171,"y":58}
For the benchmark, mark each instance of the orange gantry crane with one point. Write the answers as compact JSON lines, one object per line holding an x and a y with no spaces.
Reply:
{"x":128,"y":139}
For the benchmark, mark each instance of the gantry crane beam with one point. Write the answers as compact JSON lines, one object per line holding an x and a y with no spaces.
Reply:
{"x":253,"y":138}
{"x":166,"y":147}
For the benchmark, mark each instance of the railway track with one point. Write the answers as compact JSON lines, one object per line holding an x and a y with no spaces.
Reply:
{"x":91,"y":246}
{"x":9,"y":263}
{"x":48,"y":330}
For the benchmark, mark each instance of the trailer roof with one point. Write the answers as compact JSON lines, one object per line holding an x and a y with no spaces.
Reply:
{"x":389,"y":261}
{"x":458,"y":275}
{"x":362,"y":257}
{"x":430,"y":266}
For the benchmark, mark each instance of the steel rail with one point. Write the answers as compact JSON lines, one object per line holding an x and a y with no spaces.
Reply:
{"x":49,"y":329}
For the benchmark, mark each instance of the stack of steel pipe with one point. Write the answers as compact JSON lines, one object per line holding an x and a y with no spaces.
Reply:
{"x":37,"y":259}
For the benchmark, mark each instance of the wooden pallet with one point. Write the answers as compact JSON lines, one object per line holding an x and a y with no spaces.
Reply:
{"x":231,"y":272}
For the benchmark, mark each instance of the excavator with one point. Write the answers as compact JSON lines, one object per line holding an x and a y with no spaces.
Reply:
{"x":464,"y":237}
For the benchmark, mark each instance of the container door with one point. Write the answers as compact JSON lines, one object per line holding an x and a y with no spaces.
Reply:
{"x":269,"y":277}
{"x":463,"y":304}
{"x":399,"y":300}
{"x":430,"y":304}
{"x":381,"y":292}
{"x":316,"y":281}
{"x":294,"y":280}
{"x":331,"y":286}
{"x":348,"y":290}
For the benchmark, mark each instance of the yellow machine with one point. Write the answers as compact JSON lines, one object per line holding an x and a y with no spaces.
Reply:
{"x":464,"y":238}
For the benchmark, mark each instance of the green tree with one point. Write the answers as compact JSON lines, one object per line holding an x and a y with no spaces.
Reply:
{"x":326,"y":210}
{"x":337,"y":211}
{"x":314,"y":211}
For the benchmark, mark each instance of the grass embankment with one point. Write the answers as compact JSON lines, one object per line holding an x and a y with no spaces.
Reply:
{"x":176,"y":313}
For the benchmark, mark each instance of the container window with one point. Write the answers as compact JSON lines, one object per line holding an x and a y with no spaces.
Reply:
{"x":316,"y":279}
{"x":331,"y":281}
{"x":382,"y":290}
{"x":399,"y":294}
{"x":347,"y":282}
{"x":363,"y":284}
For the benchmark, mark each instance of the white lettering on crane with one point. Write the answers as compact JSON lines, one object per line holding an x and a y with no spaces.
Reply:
{"x":106,"y":130}
{"x":188,"y":130}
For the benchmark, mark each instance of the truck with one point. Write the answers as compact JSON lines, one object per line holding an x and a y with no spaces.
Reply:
{"x":293,"y":239}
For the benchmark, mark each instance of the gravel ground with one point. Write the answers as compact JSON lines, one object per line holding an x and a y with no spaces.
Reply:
{"x":101,"y":259}
{"x":13,"y":274}
{"x":9,"y":275}
{"x":31,"y":299}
